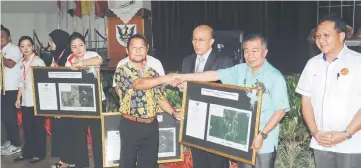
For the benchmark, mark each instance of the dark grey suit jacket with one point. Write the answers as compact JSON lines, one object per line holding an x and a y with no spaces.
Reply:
{"x":214,"y":62}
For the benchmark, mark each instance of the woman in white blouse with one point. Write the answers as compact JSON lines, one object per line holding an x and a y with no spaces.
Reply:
{"x":34,"y":131}
{"x":76,"y":145}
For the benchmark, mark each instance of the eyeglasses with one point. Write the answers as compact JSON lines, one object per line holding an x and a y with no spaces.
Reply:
{"x":199,"y":40}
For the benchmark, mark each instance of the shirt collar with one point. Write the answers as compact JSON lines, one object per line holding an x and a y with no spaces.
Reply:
{"x":6,"y":46}
{"x":32,"y":57}
{"x":339,"y":56}
{"x":205,"y":55}
{"x":132,"y":65}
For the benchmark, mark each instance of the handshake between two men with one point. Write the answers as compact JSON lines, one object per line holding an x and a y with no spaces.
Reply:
{"x":175,"y":80}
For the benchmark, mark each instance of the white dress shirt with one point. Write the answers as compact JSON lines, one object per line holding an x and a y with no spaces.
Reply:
{"x":87,"y":55}
{"x":151,"y":62}
{"x":203,"y":63}
{"x":26,"y":81}
{"x":335,"y":92}
{"x":12,"y":52}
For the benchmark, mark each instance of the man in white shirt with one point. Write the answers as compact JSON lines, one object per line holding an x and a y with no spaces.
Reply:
{"x":330,"y":86}
{"x":12,"y":56}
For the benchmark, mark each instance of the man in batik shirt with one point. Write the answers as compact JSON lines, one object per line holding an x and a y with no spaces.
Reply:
{"x":139,"y":131}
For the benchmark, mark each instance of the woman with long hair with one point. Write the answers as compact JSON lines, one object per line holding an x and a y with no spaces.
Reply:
{"x":76,"y":145}
{"x":34,"y":131}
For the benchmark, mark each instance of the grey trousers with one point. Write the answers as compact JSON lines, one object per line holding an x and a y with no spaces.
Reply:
{"x":264,"y":160}
{"x":326,"y":159}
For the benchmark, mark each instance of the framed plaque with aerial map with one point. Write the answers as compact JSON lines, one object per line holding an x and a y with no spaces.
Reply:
{"x":64,"y":92}
{"x":169,"y":148}
{"x":221,"y":119}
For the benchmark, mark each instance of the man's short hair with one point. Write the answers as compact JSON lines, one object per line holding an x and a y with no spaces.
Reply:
{"x":255,"y":36}
{"x":139,"y":36}
{"x":340,"y":25}
{"x":6,"y":30}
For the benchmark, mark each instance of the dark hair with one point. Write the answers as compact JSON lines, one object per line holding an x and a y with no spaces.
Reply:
{"x":22,"y":38}
{"x":255,"y":36}
{"x":139,"y":36}
{"x":74,"y":36}
{"x":6,"y":30}
{"x":340,"y":25}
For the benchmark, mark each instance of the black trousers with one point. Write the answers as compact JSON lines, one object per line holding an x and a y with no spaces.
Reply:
{"x":75,"y":146}
{"x":9,"y":116}
{"x":59,"y":130}
{"x":96,"y":133}
{"x":202,"y":159}
{"x":139,"y":144}
{"x":34,"y":134}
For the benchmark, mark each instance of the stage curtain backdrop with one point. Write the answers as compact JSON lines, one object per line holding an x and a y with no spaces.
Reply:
{"x":286,"y":25}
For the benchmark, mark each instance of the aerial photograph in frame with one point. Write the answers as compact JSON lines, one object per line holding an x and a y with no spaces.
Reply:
{"x":167,"y":142}
{"x":229,"y":127}
{"x":77,"y":97}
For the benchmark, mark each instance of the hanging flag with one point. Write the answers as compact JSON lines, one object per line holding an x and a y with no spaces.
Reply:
{"x":80,"y":9}
{"x":71,"y":8}
{"x":101,"y":7}
{"x":86,"y":7}
{"x":77,"y":9}
{"x":59,"y":4}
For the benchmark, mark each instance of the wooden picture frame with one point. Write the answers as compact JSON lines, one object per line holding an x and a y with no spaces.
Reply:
{"x":169,"y":129}
{"x":110,"y":127}
{"x":64,"y":92}
{"x":221,"y":119}
{"x":2,"y":82}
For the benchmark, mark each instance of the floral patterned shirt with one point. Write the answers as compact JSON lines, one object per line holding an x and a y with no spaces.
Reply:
{"x":138,"y":103}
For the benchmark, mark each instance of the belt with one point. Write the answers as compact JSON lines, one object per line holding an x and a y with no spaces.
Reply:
{"x":136,"y":119}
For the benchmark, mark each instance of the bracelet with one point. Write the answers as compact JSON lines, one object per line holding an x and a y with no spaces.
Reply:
{"x":264,"y":136}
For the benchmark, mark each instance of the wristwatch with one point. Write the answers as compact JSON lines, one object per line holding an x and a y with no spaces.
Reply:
{"x":263,"y":135}
{"x":347,"y":135}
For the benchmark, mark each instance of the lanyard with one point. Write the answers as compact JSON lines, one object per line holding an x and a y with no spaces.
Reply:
{"x":70,"y":59}
{"x":57,"y":61}
{"x":27,"y":66}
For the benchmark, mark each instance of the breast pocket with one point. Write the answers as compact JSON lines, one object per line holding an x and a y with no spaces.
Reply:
{"x":344,"y":83}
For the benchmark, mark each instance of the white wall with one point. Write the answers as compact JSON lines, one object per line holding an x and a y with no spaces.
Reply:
{"x":21,"y":18}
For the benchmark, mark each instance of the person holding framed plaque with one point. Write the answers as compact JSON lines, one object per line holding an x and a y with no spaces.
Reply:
{"x":204,"y":58}
{"x":34,"y":131}
{"x":139,"y":130}
{"x":75,"y":153}
{"x":256,"y":72}
{"x":59,"y":50}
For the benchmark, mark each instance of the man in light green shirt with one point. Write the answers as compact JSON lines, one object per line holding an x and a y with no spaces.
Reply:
{"x":256,"y":72}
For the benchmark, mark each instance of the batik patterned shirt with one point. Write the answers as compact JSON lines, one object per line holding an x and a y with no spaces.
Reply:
{"x":138,"y":103}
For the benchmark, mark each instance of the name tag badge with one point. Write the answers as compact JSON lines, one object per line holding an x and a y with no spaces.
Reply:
{"x":160,"y":118}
